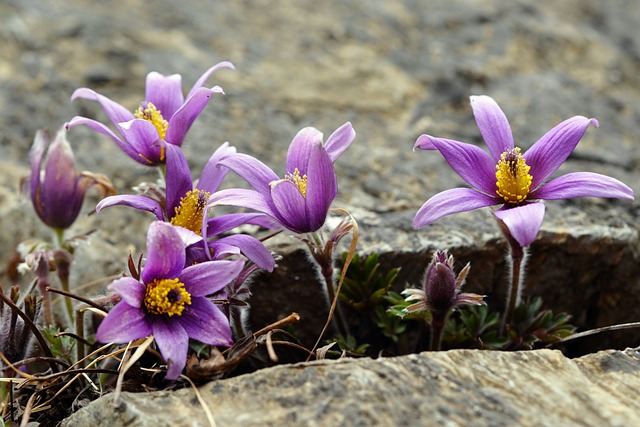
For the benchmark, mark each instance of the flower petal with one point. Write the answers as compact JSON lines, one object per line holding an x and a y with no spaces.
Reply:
{"x":124,"y":323}
{"x":322,"y":187}
{"x":182,"y":120}
{"x":114,"y":111}
{"x":339,"y":141}
{"x":300,"y":149}
{"x":493,"y":125}
{"x":165,"y":92}
{"x":449,"y":202}
{"x":143,"y":137}
{"x":223,"y":223}
{"x":178,"y":178}
{"x":132,"y":200}
{"x":203,"y":321}
{"x":583,"y":184}
{"x":213,"y":173}
{"x":472,"y":163}
{"x":209,"y":277}
{"x":252,"y":170}
{"x":523,"y":221}
{"x":242,"y":198}
{"x":203,"y":78}
{"x":131,"y":290}
{"x":101,"y":128}
{"x":165,"y":253}
{"x":173,"y":343}
{"x":290,"y":206}
{"x":252,"y":248}
{"x":549,"y":152}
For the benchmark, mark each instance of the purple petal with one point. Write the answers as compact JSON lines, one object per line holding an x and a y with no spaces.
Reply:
{"x":473,"y":164}
{"x":209,"y":277}
{"x":131,"y":290}
{"x":173,"y":343}
{"x":101,"y":128}
{"x":178,"y":178}
{"x":322,"y":187}
{"x":523,"y":221}
{"x":40,"y":143}
{"x":114,"y":111}
{"x":449,"y":202}
{"x":182,"y":120}
{"x":550,"y":151}
{"x":583,"y":184}
{"x":242,"y":198}
{"x":143,"y":137}
{"x":203,"y":78}
{"x":124,"y":323}
{"x":135,"y":201}
{"x":493,"y":125}
{"x":165,"y":253}
{"x":213,"y":173}
{"x":339,"y":141}
{"x":223,"y":223}
{"x":165,"y":92}
{"x":252,"y":170}
{"x":291,"y":206}
{"x":188,"y":237}
{"x":252,"y":248}
{"x":300,"y":149}
{"x":204,"y":322}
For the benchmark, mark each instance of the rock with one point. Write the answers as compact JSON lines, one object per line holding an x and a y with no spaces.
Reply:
{"x":453,"y":388}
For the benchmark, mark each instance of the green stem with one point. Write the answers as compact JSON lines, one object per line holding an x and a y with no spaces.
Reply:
{"x":513,"y":296}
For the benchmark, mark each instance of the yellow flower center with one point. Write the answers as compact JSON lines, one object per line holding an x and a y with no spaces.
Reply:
{"x":299,"y":181}
{"x":512,"y":177}
{"x":153,"y":115}
{"x":190,"y":212}
{"x":166,"y":296}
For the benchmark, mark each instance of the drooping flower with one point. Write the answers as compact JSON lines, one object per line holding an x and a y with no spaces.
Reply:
{"x":170,"y":300}
{"x":299,"y":201}
{"x":56,"y":188}
{"x":185,"y":205}
{"x":508,"y":177}
{"x":164,"y":117}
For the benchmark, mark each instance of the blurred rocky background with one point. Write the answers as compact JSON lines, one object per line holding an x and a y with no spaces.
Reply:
{"x":395,"y":70}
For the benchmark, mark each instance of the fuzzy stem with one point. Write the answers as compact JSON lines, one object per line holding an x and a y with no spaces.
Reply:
{"x":438,"y":320}
{"x":513,"y":296}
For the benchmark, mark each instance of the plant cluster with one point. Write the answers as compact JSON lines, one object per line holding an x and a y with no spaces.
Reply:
{"x":175,"y":317}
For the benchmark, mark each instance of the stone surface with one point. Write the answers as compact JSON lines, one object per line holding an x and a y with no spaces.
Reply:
{"x":453,"y":388}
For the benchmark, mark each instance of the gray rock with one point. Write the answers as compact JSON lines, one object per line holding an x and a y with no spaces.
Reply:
{"x":453,"y":388}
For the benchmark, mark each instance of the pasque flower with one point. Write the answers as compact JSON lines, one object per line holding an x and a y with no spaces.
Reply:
{"x":185,"y":205}
{"x":164,"y":117}
{"x":56,"y":188}
{"x":508,"y":177}
{"x":299,"y":201}
{"x":170,"y":300}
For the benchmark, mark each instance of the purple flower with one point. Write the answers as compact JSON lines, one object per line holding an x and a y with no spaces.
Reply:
{"x":299,"y":201}
{"x":441,"y":288}
{"x":170,"y":301}
{"x":163,"y":118}
{"x":57,"y":189}
{"x":511,"y":178}
{"x":185,"y":206}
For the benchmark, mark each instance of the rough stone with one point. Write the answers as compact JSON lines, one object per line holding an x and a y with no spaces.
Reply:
{"x":452,"y":388}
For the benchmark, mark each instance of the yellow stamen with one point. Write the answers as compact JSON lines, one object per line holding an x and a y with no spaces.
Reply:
{"x":153,"y":115}
{"x":299,"y":181}
{"x":166,"y":296}
{"x":189,"y":213}
{"x":512,"y":177}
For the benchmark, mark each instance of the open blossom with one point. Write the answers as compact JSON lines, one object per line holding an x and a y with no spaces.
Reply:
{"x":185,"y":206}
{"x":164,"y":117}
{"x":170,"y":300}
{"x":508,"y":177}
{"x":57,"y":189}
{"x":300,"y":200}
